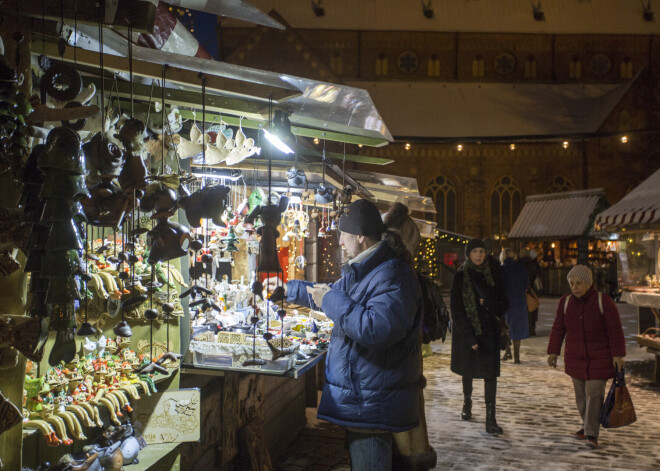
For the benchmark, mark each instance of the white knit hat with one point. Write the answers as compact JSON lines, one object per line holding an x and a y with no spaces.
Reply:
{"x":582,"y":273}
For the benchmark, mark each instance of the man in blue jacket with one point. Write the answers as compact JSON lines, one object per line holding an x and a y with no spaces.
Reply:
{"x":373,"y":373}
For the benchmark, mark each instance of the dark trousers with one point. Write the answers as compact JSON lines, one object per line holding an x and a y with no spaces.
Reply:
{"x":369,"y":450}
{"x":490,"y":388}
{"x":532,"y":317}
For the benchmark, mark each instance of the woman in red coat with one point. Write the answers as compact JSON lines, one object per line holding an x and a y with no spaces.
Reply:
{"x":595,"y":346}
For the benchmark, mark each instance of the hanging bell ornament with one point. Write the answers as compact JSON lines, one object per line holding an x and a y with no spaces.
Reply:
{"x":86,"y":329}
{"x":122,"y":329}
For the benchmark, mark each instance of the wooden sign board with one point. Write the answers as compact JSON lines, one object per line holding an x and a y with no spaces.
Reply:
{"x":169,"y":416}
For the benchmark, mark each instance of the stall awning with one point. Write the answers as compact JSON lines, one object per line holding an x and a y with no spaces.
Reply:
{"x":494,"y":110}
{"x":558,"y":215}
{"x":639,"y":209}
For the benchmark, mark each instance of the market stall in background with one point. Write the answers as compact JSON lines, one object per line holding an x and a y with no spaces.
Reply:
{"x":635,"y":224}
{"x":559,"y":227}
{"x":146,"y":198}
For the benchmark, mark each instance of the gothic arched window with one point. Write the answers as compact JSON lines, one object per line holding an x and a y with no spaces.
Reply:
{"x":505,"y":205}
{"x":443,"y":193}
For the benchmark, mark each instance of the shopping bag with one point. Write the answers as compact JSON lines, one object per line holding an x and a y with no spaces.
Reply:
{"x":618,"y":409}
{"x":532,"y":300}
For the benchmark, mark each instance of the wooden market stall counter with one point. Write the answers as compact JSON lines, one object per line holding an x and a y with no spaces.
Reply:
{"x":249,"y":415}
{"x":647,"y":301}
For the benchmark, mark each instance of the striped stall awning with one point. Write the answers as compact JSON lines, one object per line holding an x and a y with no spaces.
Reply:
{"x":639,"y":209}
{"x":557,"y":215}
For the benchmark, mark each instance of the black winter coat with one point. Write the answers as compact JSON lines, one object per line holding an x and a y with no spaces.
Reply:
{"x":484,"y":362}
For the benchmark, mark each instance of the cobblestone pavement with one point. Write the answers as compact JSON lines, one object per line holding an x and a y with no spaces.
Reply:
{"x":535,"y":407}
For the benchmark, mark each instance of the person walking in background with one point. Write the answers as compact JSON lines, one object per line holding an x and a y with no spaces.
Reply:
{"x":477,"y":301}
{"x":373,"y":365}
{"x":516,"y":282}
{"x":595,"y":346}
{"x":529,"y":260}
{"x":413,"y":451}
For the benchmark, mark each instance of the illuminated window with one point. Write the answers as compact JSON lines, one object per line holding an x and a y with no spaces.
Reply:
{"x":559,"y":184}
{"x":443,"y":193}
{"x":434,"y":66}
{"x":505,"y":205}
{"x":381,"y":65}
{"x":575,"y":68}
{"x":626,"y":68}
{"x":478,"y":66}
{"x":336,"y":63}
{"x":531,"y":68}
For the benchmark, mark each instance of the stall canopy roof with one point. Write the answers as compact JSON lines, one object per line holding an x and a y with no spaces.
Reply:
{"x":557,"y":215}
{"x":496,"y":110}
{"x":639,"y":209}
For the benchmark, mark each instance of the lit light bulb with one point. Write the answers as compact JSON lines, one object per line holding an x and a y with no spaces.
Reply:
{"x":407,"y":146}
{"x":564,"y":144}
{"x":316,"y":140}
{"x":512,"y":146}
{"x":459,"y":147}
{"x":624,"y":139}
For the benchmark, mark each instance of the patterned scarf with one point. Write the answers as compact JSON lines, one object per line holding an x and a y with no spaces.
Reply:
{"x":469,"y":294}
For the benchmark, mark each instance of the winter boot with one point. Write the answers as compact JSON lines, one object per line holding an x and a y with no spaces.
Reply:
{"x":491,"y":423}
{"x":467,"y":408}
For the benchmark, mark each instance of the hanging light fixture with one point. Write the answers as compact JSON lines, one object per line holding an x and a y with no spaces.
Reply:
{"x":280,"y":132}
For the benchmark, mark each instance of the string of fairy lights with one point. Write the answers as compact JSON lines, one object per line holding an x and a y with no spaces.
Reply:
{"x":426,"y":259}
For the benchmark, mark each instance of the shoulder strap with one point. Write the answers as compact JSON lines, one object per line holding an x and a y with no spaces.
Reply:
{"x":600,"y":303}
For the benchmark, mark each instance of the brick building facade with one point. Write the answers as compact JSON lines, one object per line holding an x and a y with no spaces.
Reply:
{"x":479,"y":182}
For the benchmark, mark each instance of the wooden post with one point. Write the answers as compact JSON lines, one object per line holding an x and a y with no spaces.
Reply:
{"x":251,"y":422}
{"x":229,"y":421}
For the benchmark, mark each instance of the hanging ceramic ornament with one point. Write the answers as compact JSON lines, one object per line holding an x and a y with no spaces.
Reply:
{"x":230,"y":240}
{"x":243,"y":148}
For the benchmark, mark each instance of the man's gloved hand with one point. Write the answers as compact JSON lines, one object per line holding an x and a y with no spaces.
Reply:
{"x":317,"y":292}
{"x":552,"y":360}
{"x":618,"y":363}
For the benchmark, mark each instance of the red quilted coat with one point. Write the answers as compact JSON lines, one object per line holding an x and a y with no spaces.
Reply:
{"x":592,"y":338}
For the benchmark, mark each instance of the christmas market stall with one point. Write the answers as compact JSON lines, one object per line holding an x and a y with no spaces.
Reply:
{"x":146,"y":196}
{"x":634,"y":223}
{"x":559,"y":227}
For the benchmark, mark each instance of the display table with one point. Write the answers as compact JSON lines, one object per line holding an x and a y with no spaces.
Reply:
{"x":647,"y":301}
{"x":187,"y":367}
{"x":647,"y":298}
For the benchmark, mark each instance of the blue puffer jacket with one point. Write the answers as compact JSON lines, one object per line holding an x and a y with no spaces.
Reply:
{"x":373,"y":367}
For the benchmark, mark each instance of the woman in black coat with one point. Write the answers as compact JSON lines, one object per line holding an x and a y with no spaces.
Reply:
{"x":477,"y":301}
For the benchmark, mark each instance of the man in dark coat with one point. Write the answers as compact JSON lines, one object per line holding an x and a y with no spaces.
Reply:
{"x":373,"y":368}
{"x":477,"y":302}
{"x":595,"y":346}
{"x":529,"y":260}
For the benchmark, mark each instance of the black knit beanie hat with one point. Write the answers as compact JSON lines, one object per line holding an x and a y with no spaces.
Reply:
{"x":474,"y":244}
{"x":361,"y":218}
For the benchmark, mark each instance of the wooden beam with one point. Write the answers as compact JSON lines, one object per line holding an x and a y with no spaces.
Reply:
{"x":214,"y":84}
{"x":216,"y":104}
{"x":334,"y":136}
